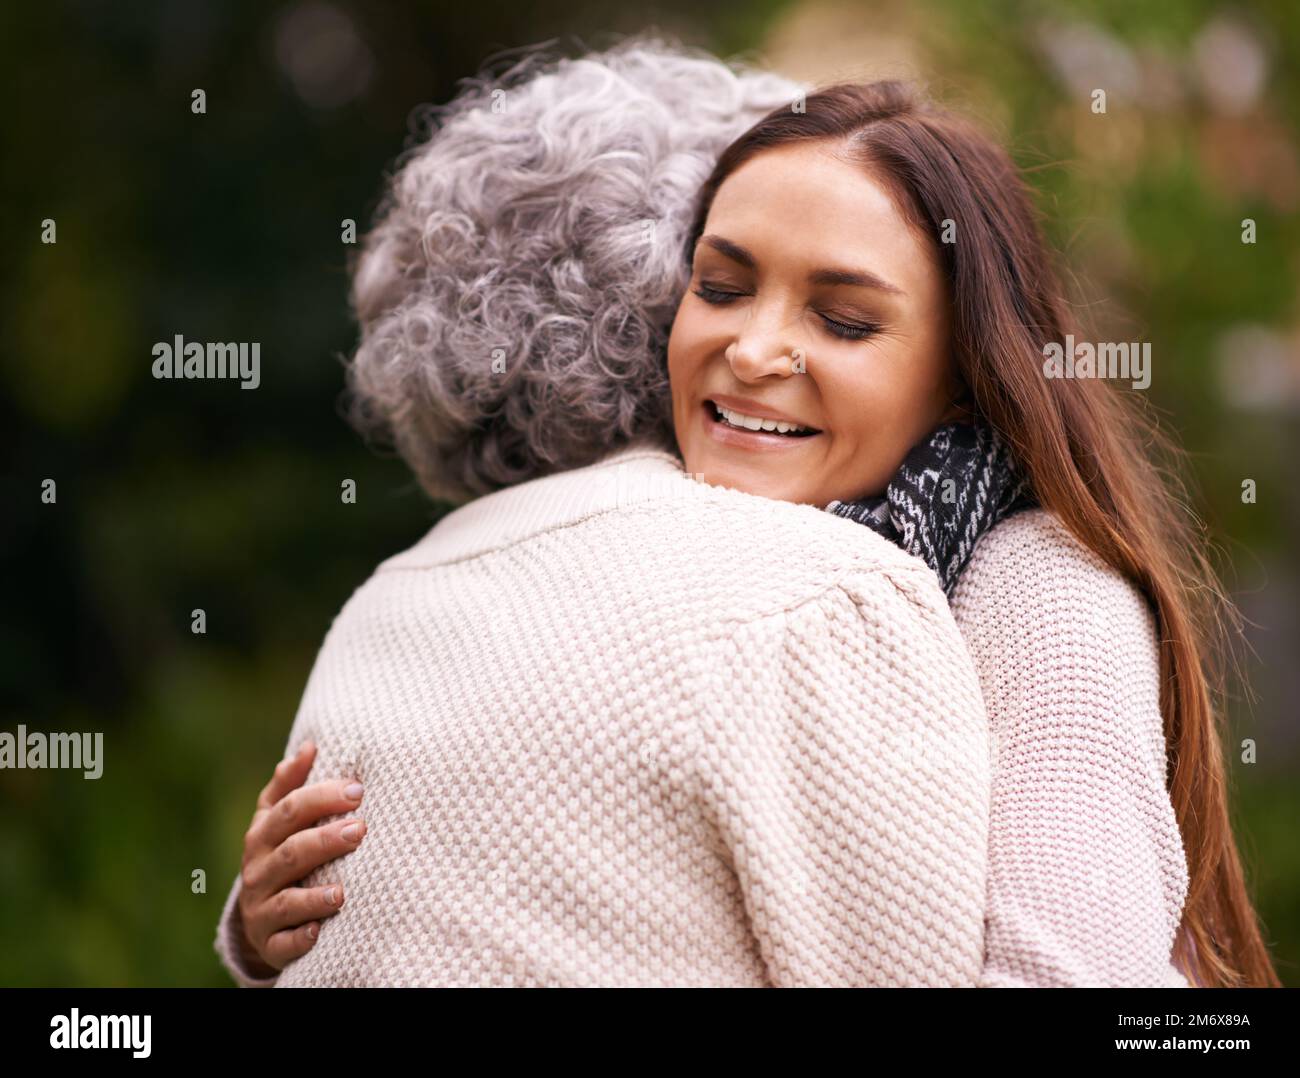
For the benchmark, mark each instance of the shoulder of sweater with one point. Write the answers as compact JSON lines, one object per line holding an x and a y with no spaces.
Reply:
{"x":776,"y":557}
{"x":1046,"y":620}
{"x":755,"y":556}
{"x":765,"y":555}
{"x":785,"y":527}
{"x":1031,"y":560}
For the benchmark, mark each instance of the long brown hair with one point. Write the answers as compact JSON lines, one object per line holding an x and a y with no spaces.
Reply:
{"x":1092,"y":455}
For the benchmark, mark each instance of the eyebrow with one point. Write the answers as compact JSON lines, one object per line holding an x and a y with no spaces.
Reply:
{"x":834,"y":276}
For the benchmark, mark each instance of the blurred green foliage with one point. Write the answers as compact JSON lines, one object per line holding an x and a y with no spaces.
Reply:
{"x":226,"y":226}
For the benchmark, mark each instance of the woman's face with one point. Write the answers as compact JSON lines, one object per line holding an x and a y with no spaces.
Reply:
{"x":812,"y":301}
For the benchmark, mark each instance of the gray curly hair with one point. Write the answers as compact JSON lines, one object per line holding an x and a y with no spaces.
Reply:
{"x":516,"y":292}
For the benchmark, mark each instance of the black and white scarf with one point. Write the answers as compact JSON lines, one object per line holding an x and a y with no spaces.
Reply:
{"x":951,"y":488}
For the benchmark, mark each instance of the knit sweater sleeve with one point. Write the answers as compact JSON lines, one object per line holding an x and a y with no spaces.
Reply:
{"x":843,"y":762}
{"x":228,"y":943}
{"x":1087,"y":875}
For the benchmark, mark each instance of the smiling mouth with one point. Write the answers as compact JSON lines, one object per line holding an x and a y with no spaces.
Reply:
{"x":713,"y":414}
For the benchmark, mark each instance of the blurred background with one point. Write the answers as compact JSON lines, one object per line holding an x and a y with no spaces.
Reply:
{"x":179,"y":495}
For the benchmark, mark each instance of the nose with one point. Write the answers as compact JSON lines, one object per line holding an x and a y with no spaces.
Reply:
{"x":765,"y":346}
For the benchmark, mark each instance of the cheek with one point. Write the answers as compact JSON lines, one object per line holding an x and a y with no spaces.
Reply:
{"x":676,"y":374}
{"x":879,"y":414}
{"x":873,"y":406}
{"x":683,"y":349}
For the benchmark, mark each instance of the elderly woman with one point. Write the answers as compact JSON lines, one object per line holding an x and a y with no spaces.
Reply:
{"x":610,"y":736}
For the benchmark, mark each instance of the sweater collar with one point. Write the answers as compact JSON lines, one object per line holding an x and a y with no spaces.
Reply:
{"x":639,"y":472}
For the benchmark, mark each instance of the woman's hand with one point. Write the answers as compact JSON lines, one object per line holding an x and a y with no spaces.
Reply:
{"x":281,"y":847}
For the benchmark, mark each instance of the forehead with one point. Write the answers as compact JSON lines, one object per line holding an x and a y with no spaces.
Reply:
{"x":805,"y":205}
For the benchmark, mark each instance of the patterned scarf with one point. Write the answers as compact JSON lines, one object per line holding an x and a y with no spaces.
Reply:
{"x":951,"y":489}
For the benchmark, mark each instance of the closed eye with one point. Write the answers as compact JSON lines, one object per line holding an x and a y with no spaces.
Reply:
{"x":714,"y":295}
{"x":845,"y":330}
{"x":848,"y":330}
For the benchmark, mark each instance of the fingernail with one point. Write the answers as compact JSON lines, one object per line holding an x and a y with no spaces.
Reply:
{"x":311,"y":931}
{"x":354,"y":791}
{"x":332,"y":896}
{"x":352,"y":832}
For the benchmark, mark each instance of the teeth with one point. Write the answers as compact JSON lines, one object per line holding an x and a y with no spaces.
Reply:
{"x":749,"y":422}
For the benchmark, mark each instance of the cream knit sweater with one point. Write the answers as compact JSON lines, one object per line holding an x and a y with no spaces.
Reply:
{"x":618,"y":727}
{"x":1087,"y":875}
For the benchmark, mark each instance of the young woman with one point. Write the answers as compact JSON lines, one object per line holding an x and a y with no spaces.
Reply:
{"x":864,"y":330}
{"x":1094,"y":617}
